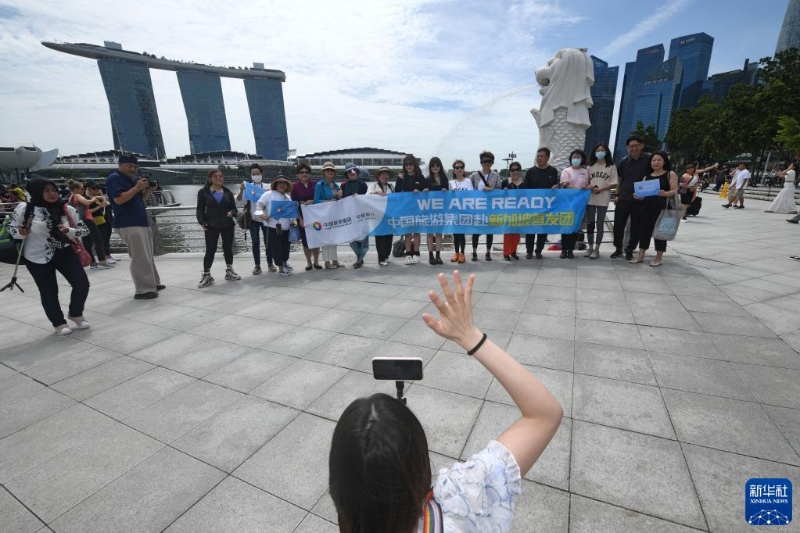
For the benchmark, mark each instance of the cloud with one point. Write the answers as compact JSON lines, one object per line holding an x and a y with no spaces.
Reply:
{"x":646,"y":28}
{"x":402,"y":75}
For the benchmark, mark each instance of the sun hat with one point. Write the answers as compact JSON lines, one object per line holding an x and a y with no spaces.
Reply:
{"x":328,"y":166}
{"x":280,"y":179}
{"x":350,"y":166}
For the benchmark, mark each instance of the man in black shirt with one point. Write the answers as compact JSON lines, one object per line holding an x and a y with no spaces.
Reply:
{"x":541,"y":176}
{"x":632,"y":168}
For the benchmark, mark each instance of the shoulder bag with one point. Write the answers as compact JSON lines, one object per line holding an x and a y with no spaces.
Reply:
{"x":667,"y":224}
{"x":77,"y":245}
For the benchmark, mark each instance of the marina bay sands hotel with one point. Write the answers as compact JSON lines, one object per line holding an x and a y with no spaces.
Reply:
{"x":134,"y":118}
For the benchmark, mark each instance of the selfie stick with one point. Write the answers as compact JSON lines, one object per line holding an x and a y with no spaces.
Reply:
{"x":13,"y":283}
{"x":399,"y":385}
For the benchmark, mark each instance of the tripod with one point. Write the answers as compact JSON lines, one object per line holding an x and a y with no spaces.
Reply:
{"x":13,"y":283}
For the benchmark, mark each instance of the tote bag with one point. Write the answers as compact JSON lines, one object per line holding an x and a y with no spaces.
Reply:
{"x":667,"y":224}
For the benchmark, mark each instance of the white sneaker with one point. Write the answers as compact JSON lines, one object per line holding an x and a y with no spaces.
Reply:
{"x":383,"y":263}
{"x":103,"y":264}
{"x":231,"y":275}
{"x":289,"y":267}
{"x":205,"y":281}
{"x":286,"y":272}
{"x":414,"y":259}
{"x":80,"y":322}
{"x":63,"y":330}
{"x":595,"y":254}
{"x":588,"y":253}
{"x":410,"y":259}
{"x":111,"y":260}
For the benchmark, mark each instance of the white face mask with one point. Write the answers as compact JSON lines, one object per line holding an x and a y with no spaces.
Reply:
{"x":576,"y":161}
{"x":256,"y":178}
{"x":600,"y":155}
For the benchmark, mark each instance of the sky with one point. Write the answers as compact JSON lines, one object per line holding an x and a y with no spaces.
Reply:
{"x":445,"y":78}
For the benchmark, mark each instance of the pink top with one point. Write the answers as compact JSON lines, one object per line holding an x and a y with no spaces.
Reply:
{"x":576,"y":177}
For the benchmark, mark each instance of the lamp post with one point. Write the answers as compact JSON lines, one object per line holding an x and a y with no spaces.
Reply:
{"x":510,"y":159}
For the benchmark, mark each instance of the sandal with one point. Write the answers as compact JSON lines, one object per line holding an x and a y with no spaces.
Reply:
{"x":636,"y":261}
{"x":328,"y":266}
{"x":309,"y":267}
{"x":655,"y":264}
{"x":317,"y":266}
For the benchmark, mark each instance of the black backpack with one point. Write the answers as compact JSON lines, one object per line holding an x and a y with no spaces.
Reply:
{"x":399,"y":248}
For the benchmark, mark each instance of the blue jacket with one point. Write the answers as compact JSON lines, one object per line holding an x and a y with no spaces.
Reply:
{"x":323,"y":192}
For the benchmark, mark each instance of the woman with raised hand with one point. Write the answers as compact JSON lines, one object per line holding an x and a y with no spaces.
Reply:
{"x":379,"y":468}
{"x":216,"y":214}
{"x":327,"y":190}
{"x":85,"y":208}
{"x":460,"y":183}
{"x":784,"y":202}
{"x":49,"y":226}
{"x":381,"y":186}
{"x":303,"y":194}
{"x":646,"y":218}
{"x":602,"y":178}
{"x":437,"y":181}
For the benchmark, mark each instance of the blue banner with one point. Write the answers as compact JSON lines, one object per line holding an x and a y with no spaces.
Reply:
{"x":471,"y":212}
{"x":252,"y":192}
{"x":282,"y":209}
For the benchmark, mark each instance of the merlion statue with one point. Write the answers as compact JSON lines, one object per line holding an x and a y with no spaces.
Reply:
{"x":563,"y":117}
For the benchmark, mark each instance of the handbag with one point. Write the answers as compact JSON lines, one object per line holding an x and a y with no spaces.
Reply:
{"x":244,"y":218}
{"x":667,"y":224}
{"x":399,"y":248}
{"x":294,"y":233}
{"x":83,"y":255}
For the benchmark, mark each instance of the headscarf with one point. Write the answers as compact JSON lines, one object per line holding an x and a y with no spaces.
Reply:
{"x":54,"y":210}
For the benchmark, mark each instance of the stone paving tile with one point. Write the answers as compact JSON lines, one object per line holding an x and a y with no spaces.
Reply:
{"x":16,"y":519}
{"x":101,"y":378}
{"x":28,"y":353}
{"x":757,"y":351}
{"x":557,"y":382}
{"x":56,"y":486}
{"x":621,"y":404}
{"x":605,"y":312}
{"x":71,"y":364}
{"x":551,"y":469}
{"x":299,"y":341}
{"x":788,"y":422}
{"x":135,"y":394}
{"x":373,"y":326}
{"x":619,"y":467}
{"x":352,"y":386}
{"x":299,"y":384}
{"x":40,"y":442}
{"x":294,"y":464}
{"x":556,"y":327}
{"x":415,"y":332}
{"x":17,"y":386}
{"x":6,"y":371}
{"x":679,"y":342}
{"x":695,"y":374}
{"x":772,"y":386}
{"x":714,"y":323}
{"x":539,"y":504}
{"x":625,"y":364}
{"x":446,"y":417}
{"x":557,"y":354}
{"x":315,"y":524}
{"x":148,"y":497}
{"x":549,"y":292}
{"x":661,"y":310}
{"x":457,"y":373}
{"x":726,"y":424}
{"x":600,"y":296}
{"x":236,"y":506}
{"x":251,"y":370}
{"x":609,"y":333}
{"x":177,"y":414}
{"x":496,"y":320}
{"x":592,"y":516}
{"x":720,"y":477}
{"x":30,"y":409}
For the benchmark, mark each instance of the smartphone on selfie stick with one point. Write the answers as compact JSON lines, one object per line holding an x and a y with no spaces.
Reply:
{"x":399,"y":370}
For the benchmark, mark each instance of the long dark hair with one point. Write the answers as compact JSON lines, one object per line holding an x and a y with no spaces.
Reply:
{"x":665,"y":156}
{"x":417,"y":171}
{"x":609,"y":159}
{"x":379,"y":468}
{"x":442,"y":173}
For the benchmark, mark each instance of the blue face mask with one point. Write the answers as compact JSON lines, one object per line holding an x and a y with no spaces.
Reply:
{"x":600,"y":155}
{"x":576,"y":161}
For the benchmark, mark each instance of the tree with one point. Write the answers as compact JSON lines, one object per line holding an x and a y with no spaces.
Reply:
{"x":690,"y":135}
{"x":789,"y":134}
{"x":650,"y":136}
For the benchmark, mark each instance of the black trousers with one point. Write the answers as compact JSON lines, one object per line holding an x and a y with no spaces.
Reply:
{"x":105,"y":232}
{"x":539,"y":238}
{"x":383,"y":243}
{"x":626,"y":209}
{"x":212,"y":239}
{"x":66,"y":261}
{"x":279,"y":245}
{"x":255,"y":228}
{"x":568,"y":241}
{"x":489,"y":240}
{"x":94,"y":242}
{"x":459,"y":242}
{"x":645,"y":219}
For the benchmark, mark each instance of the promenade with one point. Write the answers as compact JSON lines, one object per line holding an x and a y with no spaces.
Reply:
{"x":212,"y":410}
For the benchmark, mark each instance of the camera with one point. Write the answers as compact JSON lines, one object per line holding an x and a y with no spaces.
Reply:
{"x":397,"y":368}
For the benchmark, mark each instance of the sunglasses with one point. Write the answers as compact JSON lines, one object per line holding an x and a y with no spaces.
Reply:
{"x":352,"y":171}
{"x":458,"y":167}
{"x":409,"y":165}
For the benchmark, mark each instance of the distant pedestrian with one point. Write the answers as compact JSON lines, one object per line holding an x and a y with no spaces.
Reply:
{"x":354,"y":185}
{"x":485,"y":180}
{"x":539,"y":176}
{"x":411,"y":180}
{"x":216,"y":214}
{"x":634,"y":167}
{"x":94,"y":242}
{"x":785,"y":202}
{"x":128,"y":197}
{"x":739,"y":181}
{"x":49,"y":227}
{"x":602,"y":178}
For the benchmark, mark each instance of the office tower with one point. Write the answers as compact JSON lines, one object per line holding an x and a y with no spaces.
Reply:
{"x":134,"y":117}
{"x":695,"y":54}
{"x":790,"y":30}
{"x":205,"y":111}
{"x":265,"y":100}
{"x":647,"y":59}
{"x":658,"y":95}
{"x":601,"y":114}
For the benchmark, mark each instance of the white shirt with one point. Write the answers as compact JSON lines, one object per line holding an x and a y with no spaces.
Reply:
{"x":40,"y":245}
{"x":465,"y":185}
{"x":740,"y":177}
{"x":263,"y":209}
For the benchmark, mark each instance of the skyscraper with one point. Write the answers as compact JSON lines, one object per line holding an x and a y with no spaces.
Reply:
{"x":790,"y":30}
{"x":205,"y":111}
{"x":134,"y":117}
{"x":658,"y":95}
{"x":695,"y":53}
{"x":646,"y":60}
{"x":265,"y":100}
{"x":601,"y":114}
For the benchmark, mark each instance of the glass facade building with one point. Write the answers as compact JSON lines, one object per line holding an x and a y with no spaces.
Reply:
{"x":695,"y":54}
{"x":268,"y":115}
{"x":134,"y":117}
{"x":601,"y":114}
{"x":647,"y":59}
{"x":205,"y":111}
{"x":790,"y":30}
{"x":657,"y":98}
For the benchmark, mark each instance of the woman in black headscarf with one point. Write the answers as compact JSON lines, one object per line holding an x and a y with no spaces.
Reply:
{"x":48,"y":227}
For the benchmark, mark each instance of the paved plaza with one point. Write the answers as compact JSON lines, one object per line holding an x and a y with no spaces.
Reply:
{"x":213,"y":409}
